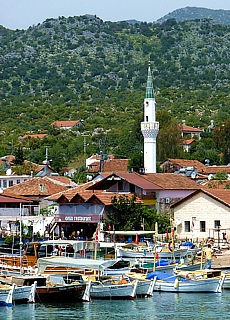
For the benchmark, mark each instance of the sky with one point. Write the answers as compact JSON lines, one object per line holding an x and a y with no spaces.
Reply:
{"x":20,"y":14}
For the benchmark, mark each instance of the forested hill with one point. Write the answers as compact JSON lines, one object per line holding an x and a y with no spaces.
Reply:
{"x":89,"y":69}
{"x":192,"y":13}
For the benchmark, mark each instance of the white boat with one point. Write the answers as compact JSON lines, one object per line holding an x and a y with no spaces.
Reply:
{"x":6,"y":298}
{"x":109,"y":289}
{"x":176,"y":283}
{"x":20,"y":294}
{"x":148,"y":252}
{"x":144,"y":286}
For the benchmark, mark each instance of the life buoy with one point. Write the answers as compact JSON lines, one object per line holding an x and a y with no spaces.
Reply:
{"x":189,"y":257}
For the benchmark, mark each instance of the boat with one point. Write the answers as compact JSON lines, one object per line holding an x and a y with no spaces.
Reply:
{"x":113,"y":290}
{"x":178,"y":283}
{"x":21,"y":294}
{"x":45,"y":289}
{"x":6,"y":298}
{"x":144,"y":286}
{"x":133,"y":251}
{"x":59,"y":293}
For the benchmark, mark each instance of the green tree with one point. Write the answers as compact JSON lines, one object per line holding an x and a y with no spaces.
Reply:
{"x":129,"y":215}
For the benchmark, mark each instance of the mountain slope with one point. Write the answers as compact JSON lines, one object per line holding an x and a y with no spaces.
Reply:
{"x":192,"y":13}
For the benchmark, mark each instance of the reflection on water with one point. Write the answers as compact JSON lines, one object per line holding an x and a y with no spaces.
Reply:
{"x":161,"y":306}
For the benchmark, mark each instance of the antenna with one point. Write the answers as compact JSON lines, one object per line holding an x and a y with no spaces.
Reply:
{"x":46,"y":161}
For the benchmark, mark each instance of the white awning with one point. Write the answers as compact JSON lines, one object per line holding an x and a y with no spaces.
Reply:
{"x":54,"y":261}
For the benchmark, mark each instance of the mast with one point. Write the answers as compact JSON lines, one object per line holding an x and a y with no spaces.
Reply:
{"x":149,"y":127}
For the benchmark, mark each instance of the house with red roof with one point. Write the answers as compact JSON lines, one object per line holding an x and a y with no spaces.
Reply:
{"x":68,"y":124}
{"x":35,"y":136}
{"x":85,"y":206}
{"x":203,"y":214}
{"x":187,"y":131}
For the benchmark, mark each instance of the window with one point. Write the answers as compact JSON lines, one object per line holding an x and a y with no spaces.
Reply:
{"x":147,"y":119}
{"x":4,"y":184}
{"x":18,"y":181}
{"x":10,"y":183}
{"x":187,"y":226}
{"x":202,"y":226}
{"x":216,"y":223}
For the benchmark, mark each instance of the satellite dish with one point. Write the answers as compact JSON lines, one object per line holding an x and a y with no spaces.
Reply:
{"x":210,"y":176}
{"x":178,"y":221}
{"x":193,"y":175}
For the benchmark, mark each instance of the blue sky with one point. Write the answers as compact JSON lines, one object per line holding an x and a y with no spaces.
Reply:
{"x":20,"y":14}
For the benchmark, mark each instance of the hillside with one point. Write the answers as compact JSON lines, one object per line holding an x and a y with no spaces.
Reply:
{"x":193,"y":13}
{"x":85,"y":68}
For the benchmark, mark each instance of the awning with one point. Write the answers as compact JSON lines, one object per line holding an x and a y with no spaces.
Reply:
{"x":54,"y":261}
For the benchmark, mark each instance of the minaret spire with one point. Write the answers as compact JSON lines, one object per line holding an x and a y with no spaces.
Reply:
{"x":149,"y":94}
{"x":149,"y":127}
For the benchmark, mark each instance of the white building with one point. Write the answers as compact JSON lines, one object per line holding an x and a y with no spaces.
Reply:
{"x":203,"y":214}
{"x":149,"y":127}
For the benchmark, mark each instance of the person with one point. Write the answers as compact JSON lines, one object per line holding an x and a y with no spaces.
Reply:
{"x":208,"y":254}
{"x":55,"y":251}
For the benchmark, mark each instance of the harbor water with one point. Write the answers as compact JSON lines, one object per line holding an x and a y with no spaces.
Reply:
{"x":161,"y":306}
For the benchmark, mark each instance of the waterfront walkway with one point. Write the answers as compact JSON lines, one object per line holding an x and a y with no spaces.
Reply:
{"x":222,"y":261}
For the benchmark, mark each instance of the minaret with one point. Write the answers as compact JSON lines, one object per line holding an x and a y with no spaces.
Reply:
{"x":149,"y":127}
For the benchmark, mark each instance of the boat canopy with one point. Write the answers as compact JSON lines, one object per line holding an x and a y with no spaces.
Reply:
{"x":77,"y":244}
{"x":55,"y":261}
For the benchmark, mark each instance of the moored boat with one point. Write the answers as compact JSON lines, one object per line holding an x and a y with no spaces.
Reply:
{"x":110,"y":289}
{"x":59,"y":293}
{"x":179,"y":283}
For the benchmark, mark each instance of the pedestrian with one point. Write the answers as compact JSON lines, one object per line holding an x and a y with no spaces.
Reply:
{"x":208,"y":254}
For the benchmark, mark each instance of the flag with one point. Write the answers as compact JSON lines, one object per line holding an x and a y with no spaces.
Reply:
{"x":96,"y":238}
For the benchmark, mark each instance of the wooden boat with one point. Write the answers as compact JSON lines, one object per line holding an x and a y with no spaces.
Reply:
{"x":144,"y":286}
{"x":21,"y":294}
{"x":162,"y":252}
{"x":178,"y":283}
{"x":111,"y":290}
{"x":60,"y":293}
{"x":6,"y":298}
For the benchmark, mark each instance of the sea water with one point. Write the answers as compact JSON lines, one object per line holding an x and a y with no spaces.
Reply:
{"x":163,"y":305}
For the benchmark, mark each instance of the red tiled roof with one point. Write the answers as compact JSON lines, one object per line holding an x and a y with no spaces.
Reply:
{"x":132,"y":177}
{"x":110,"y":165}
{"x":11,"y":199}
{"x":172,"y":181}
{"x":188,"y":129}
{"x":37,"y":186}
{"x":68,"y":123}
{"x":88,"y":195}
{"x":215,"y":169}
{"x":186,"y":163}
{"x":216,"y":184}
{"x":188,"y":141}
{"x":9,"y":158}
{"x":220,"y":195}
{"x":35,"y":136}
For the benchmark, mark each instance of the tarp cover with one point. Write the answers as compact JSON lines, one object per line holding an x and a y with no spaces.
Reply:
{"x":67,"y":262}
{"x":169,"y":277}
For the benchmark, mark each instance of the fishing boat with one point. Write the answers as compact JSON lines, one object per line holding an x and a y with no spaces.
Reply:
{"x":6,"y":298}
{"x":178,"y":283}
{"x":133,"y":251}
{"x":144,"y":286}
{"x":21,"y":294}
{"x":60,"y":293}
{"x":113,"y":290}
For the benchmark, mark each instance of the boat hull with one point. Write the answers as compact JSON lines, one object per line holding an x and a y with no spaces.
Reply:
{"x":113,"y":292}
{"x":191,"y":286}
{"x":60,"y":293}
